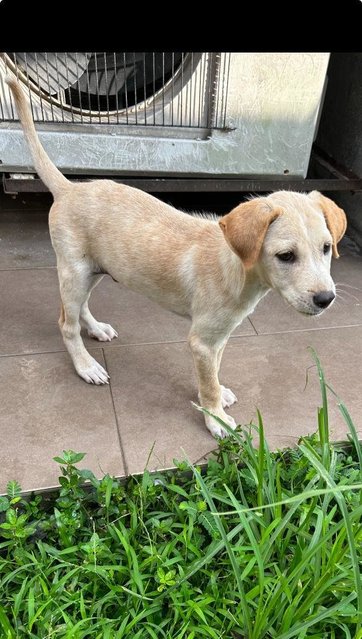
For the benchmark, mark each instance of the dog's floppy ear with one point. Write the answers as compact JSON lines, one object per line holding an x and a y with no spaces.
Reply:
{"x":335,"y":218}
{"x":245,"y":228}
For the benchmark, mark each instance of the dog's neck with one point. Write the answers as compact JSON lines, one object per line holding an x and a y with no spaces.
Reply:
{"x":254,"y":289}
{"x":248,"y":285}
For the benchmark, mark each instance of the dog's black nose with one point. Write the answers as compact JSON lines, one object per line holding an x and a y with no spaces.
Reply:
{"x":323,"y":299}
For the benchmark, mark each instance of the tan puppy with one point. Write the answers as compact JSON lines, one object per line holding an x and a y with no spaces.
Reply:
{"x":214,"y":272}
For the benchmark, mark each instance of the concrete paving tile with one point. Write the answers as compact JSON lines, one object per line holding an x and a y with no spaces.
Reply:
{"x":29,"y":311}
{"x":273,"y":315}
{"x":269,"y":372}
{"x":25,"y":240}
{"x":45,"y":409}
{"x":153,"y":386}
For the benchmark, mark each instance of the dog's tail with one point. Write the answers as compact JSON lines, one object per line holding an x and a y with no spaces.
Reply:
{"x":47,"y":171}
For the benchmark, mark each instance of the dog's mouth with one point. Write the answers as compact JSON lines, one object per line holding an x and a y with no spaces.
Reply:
{"x":308,"y":308}
{"x":311,"y":312}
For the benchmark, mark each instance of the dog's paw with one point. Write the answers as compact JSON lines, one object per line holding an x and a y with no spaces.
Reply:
{"x":102,"y":332}
{"x":216,"y":429}
{"x":93,"y":373}
{"x":227,"y":397}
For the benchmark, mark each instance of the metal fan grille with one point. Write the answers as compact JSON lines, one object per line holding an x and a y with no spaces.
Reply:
{"x":164,"y":89}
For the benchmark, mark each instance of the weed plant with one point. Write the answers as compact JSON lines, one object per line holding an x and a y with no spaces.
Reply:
{"x":256,"y":545}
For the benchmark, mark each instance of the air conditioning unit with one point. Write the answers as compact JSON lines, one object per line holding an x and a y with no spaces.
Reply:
{"x":166,"y":113}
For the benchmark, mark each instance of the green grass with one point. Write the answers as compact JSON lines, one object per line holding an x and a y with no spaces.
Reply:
{"x":257,"y":545}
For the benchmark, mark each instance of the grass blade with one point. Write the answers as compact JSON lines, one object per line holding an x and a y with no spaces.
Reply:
{"x":324,"y":425}
{"x":261,"y":458}
{"x":19,"y":598}
{"x":353,"y":432}
{"x":228,"y":547}
{"x":6,"y":625}
{"x":311,"y":456}
{"x":300,"y":628}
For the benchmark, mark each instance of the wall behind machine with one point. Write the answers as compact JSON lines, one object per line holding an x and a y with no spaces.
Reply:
{"x":340,"y":129}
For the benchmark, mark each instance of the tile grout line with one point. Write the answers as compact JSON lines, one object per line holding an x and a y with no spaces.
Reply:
{"x":256,"y":332}
{"x":184,"y":341}
{"x":307,"y":330}
{"x":123,"y":456}
{"x":95,"y":348}
{"x":27,"y":268}
{"x":30,"y":353}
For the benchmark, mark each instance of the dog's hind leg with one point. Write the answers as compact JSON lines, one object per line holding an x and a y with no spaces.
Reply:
{"x":98,"y":330}
{"x":75,"y":284}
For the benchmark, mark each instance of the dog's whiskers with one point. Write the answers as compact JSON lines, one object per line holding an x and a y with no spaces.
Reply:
{"x":349,"y":286}
{"x":339,"y":291}
{"x":339,"y":301}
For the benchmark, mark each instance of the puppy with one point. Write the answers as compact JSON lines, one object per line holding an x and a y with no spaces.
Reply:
{"x":213,"y":271}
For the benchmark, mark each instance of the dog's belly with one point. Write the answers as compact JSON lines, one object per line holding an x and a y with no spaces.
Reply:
{"x":171,"y":299}
{"x":152,"y":278}
{"x":166,"y":299}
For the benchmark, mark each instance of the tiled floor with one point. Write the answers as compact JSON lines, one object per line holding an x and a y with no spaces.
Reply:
{"x":145,"y":417}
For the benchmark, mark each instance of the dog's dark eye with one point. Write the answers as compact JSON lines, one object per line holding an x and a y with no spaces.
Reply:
{"x":289,"y":256}
{"x":326,"y":248}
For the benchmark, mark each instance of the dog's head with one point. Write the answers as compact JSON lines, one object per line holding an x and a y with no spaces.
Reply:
{"x":289,"y":238}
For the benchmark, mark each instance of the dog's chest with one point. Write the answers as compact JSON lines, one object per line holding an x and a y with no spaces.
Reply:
{"x":251,"y":296}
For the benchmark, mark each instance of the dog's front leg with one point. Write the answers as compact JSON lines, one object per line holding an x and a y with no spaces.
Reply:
{"x":210,"y":392}
{"x":228,"y":398}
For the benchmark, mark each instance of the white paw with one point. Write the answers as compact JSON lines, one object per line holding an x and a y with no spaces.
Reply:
{"x":103,"y":332}
{"x":93,"y":373}
{"x":227,"y":397}
{"x":217,"y":429}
